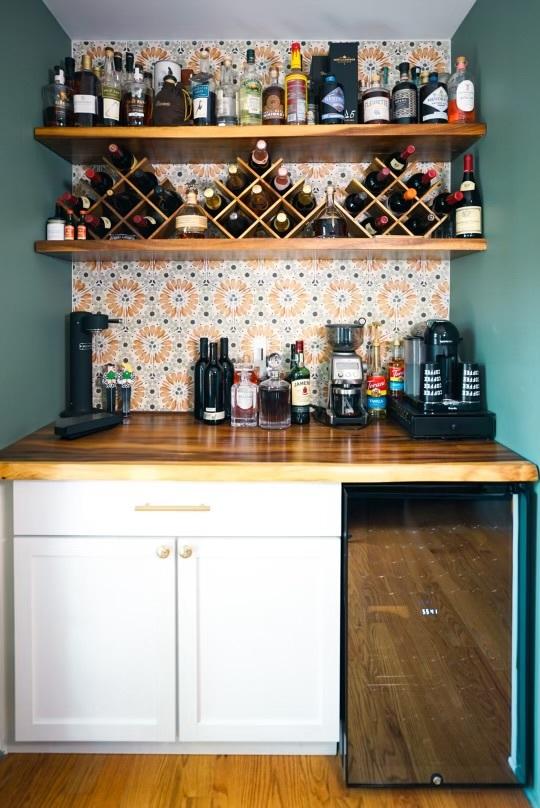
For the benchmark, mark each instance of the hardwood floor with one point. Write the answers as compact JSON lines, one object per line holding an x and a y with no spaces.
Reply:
{"x":224,"y":781}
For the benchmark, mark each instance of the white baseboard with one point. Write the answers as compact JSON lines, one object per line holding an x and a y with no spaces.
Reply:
{"x":177,"y":748}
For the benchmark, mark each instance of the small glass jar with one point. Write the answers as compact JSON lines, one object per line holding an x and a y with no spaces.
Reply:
{"x":55,"y":229}
{"x":244,"y":400}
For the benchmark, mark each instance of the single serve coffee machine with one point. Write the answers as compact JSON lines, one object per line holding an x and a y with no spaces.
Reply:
{"x":346,"y":375}
{"x":443,"y":395}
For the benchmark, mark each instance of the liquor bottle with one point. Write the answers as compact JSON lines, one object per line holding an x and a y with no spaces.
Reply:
{"x":213,"y":389}
{"x":376,"y":181}
{"x":292,"y":362}
{"x":281,"y":223}
{"x":421,"y":181}
{"x":376,"y":383}
{"x":236,"y":222}
{"x":415,"y":75}
{"x":99,"y":225}
{"x":122,"y":201}
{"x":402,"y":201}
{"x":469,"y":210}
{"x":250,"y":93}
{"x":191,"y":221}
{"x":274,"y":398}
{"x":332,"y":101}
{"x":461,"y":103}
{"x":296,"y":84}
{"x":111,"y":90}
{"x":166,"y":200}
{"x":99,"y":180}
{"x":446,"y":202}
{"x":145,"y":181}
{"x":396,"y":371}
{"x":86,"y":89}
{"x":356,"y":202}
{"x":228,"y":374}
{"x":117,"y":58}
{"x":281,"y":182}
{"x":121,"y":158}
{"x":58,"y":101}
{"x":213,"y":202}
{"x":420,"y":223}
{"x":258,"y":200}
{"x":434,"y":101}
{"x":304,"y":201}
{"x":69,"y":226}
{"x":127,"y":77}
{"x":98,"y":73}
{"x":144,"y":224}
{"x":203,"y":93}
{"x":78,"y":204}
{"x":198,"y":380}
{"x":69,"y":70}
{"x":273,"y":100}
{"x":300,"y":388}
{"x":330,"y":223}
{"x":404,"y":97}
{"x":375,"y":225}
{"x":376,"y":102}
{"x":244,"y":400}
{"x":226,"y":101}
{"x":397,"y":161}
{"x":236,"y":181}
{"x":259,"y":159}
{"x":138,"y":107}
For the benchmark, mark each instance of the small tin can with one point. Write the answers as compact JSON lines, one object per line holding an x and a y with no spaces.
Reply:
{"x":165,"y":68}
{"x":55,"y":229}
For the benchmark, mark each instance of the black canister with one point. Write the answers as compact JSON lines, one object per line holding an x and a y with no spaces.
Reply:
{"x":470,"y":382}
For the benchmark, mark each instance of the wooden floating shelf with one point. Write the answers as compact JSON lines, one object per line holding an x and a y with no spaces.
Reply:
{"x":221,"y":144}
{"x":248,"y":248}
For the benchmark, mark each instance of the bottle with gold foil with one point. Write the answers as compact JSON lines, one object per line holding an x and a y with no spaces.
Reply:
{"x":86,"y":91}
{"x":191,"y":221}
{"x":296,"y":89}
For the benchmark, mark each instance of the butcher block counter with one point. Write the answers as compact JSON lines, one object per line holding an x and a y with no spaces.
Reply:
{"x":175,"y":447}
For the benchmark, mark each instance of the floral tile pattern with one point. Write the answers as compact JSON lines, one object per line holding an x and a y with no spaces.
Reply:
{"x":166,"y":306}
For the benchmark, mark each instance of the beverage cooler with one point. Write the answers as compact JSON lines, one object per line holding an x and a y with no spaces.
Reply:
{"x":437,"y":582}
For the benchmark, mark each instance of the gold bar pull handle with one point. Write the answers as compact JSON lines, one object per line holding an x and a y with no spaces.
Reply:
{"x":172,"y":508}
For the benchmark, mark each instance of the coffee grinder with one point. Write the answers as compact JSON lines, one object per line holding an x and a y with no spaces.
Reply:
{"x":80,"y":417}
{"x":345,"y":405}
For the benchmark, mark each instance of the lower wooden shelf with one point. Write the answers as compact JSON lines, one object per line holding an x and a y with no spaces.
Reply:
{"x":248,"y":248}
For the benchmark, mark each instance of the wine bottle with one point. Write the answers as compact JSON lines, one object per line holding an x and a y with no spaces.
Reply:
{"x":111,"y":90}
{"x":300,"y":387}
{"x":421,"y":181}
{"x":397,"y":161}
{"x":86,"y":90}
{"x":78,"y":204}
{"x":281,"y":223}
{"x":469,"y":210}
{"x":376,"y":181}
{"x":375,"y":225}
{"x":356,"y":202}
{"x":420,"y":223}
{"x":228,"y":374}
{"x":236,"y":222}
{"x":121,"y":158}
{"x":122,"y":201}
{"x":401,"y":201}
{"x":145,"y":181}
{"x":167,"y":201}
{"x":213,"y":390}
{"x":258,"y":199}
{"x":281,"y":182}
{"x":198,"y":381}
{"x":99,"y":180}
{"x":330,"y":223}
{"x":404,"y":97}
{"x":304,"y":201}
{"x":445,"y":203}
{"x":213,"y":202}
{"x":99,"y":225}
{"x":236,"y":181}
{"x":144,"y":224}
{"x":259,"y":159}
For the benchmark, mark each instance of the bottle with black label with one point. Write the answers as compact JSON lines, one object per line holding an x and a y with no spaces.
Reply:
{"x":404,"y":97}
{"x":332,"y":101}
{"x":433,"y":101}
{"x":228,"y":374}
{"x":469,"y":211}
{"x":376,"y":102}
{"x":203,"y":93}
{"x":86,"y":90}
{"x":213,"y":390}
{"x":198,"y":380}
{"x":397,"y":161}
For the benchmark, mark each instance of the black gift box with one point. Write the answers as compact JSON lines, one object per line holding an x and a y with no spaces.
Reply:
{"x":343,"y":64}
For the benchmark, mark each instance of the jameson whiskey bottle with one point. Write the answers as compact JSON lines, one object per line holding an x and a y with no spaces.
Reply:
{"x":300,"y":387}
{"x":273,"y":100}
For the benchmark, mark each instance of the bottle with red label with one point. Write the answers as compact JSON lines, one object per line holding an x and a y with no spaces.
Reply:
{"x":296,"y":89}
{"x":396,"y":371}
{"x":377,"y":391}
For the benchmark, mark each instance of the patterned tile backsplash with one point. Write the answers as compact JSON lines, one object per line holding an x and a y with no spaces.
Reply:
{"x":167,"y":305}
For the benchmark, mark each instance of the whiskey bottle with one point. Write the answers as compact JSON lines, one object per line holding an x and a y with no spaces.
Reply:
{"x":259,"y":159}
{"x":213,"y":388}
{"x":461,"y":103}
{"x":296,"y":84}
{"x":86,"y":89}
{"x":304,"y":201}
{"x":111,"y":91}
{"x":375,"y":225}
{"x":377,"y":180}
{"x":228,"y":374}
{"x":99,"y":225}
{"x":198,"y":381}
{"x":250,"y":93}
{"x":434,"y":101}
{"x":145,"y":181}
{"x":236,"y":222}
{"x":404,"y":97}
{"x":300,"y":388}
{"x":332,"y":101}
{"x":226,"y":101}
{"x":421,"y":181}
{"x":122,"y":201}
{"x":236,"y":181}
{"x":402,"y":201}
{"x":99,"y":180}
{"x":281,"y":182}
{"x":121,"y":158}
{"x":191,"y":221}
{"x":213,"y":202}
{"x":144,"y":224}
{"x":397,"y":161}
{"x":273,"y":100}
{"x":469,"y":210}
{"x":356,"y":202}
{"x":376,"y":102}
{"x":167,"y":201}
{"x":274,"y":398}
{"x":330,"y":223}
{"x":137,"y":101}
{"x":259,"y":200}
{"x":57,"y":101}
{"x":203,"y":93}
{"x":281,"y":223}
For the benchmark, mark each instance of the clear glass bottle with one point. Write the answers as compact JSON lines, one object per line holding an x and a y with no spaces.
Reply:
{"x":330,"y":223}
{"x":191,"y":221}
{"x":250,"y":93}
{"x":273,"y":100}
{"x":137,"y":101}
{"x":226,"y":102}
{"x":244,"y":400}
{"x":57,"y":101}
{"x":111,"y":90}
{"x":461,"y":102}
{"x":203,"y":93}
{"x":376,"y":102}
{"x":274,"y":397}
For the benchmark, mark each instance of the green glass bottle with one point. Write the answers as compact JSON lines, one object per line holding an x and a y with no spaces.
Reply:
{"x":300,"y":388}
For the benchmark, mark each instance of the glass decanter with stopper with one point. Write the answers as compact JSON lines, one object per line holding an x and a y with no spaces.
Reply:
{"x":330,"y":223}
{"x":274,"y":397}
{"x":244,"y":399}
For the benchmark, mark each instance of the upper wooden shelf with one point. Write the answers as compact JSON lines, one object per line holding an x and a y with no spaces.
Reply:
{"x":300,"y":144}
{"x":246,"y":248}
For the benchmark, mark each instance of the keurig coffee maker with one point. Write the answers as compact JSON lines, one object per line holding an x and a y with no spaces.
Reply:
{"x":443,"y":395}
{"x":346,"y":375}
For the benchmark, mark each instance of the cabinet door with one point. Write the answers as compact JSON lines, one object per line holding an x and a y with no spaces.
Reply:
{"x":258,"y":639}
{"x":94,"y":639}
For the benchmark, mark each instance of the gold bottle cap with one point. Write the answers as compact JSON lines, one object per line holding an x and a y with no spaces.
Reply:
{"x":281,"y":217}
{"x":282,"y":171}
{"x":306,"y":189}
{"x":233,"y":168}
{"x":86,"y":62}
{"x":192,"y":196}
{"x":208,"y":193}
{"x":257,"y":189}
{"x":461,"y":60}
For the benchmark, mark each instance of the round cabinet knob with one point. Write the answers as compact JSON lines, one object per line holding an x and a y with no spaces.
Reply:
{"x":186,"y":552}
{"x":163,"y":551}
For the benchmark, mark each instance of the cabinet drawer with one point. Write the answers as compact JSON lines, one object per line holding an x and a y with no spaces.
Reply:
{"x":138,"y":508}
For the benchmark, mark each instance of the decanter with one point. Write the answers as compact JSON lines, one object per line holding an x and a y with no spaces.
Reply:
{"x":274,"y":397}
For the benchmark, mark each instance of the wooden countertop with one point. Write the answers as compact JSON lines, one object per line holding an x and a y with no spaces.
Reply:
{"x":175,"y":447}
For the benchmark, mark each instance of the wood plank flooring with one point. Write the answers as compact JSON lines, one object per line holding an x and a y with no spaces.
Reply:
{"x":222,"y":781}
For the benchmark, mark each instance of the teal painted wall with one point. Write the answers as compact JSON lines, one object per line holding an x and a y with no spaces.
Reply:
{"x":35,"y":291}
{"x":495,"y":297}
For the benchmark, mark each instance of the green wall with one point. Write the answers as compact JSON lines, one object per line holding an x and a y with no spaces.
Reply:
{"x":35,"y":291}
{"x":495,"y":297}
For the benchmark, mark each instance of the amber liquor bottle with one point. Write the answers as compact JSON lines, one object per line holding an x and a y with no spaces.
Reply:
{"x":273,"y":100}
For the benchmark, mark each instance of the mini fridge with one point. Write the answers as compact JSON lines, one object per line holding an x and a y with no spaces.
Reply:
{"x":437,"y":582}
